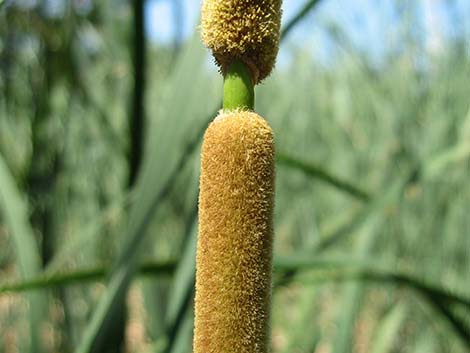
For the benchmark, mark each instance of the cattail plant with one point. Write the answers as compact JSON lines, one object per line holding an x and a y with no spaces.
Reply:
{"x":234,"y":252}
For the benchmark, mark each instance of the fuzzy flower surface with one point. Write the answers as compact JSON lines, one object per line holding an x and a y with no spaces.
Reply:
{"x":248,"y":30}
{"x":234,"y":252}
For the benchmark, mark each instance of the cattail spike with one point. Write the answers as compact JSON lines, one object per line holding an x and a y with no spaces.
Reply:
{"x":234,"y":254}
{"x":243,"y":29}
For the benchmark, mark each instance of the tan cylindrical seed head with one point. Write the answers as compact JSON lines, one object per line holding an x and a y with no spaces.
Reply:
{"x":234,"y":253}
{"x":243,"y":29}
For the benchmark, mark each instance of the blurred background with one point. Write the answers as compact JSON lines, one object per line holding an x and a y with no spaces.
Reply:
{"x":102,"y":109}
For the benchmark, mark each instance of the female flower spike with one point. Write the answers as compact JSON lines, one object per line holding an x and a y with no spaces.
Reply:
{"x":234,"y":254}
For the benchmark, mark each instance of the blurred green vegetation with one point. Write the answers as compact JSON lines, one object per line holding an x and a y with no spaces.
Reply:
{"x":99,"y":156}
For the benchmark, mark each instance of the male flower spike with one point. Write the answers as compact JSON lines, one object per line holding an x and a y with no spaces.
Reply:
{"x":247,"y":30}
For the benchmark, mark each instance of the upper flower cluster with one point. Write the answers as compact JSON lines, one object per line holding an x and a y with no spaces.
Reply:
{"x":243,"y":29}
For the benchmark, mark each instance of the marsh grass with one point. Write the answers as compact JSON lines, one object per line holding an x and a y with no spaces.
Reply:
{"x":371,"y":219}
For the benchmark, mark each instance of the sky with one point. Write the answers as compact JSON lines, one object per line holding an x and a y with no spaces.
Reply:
{"x":371,"y":25}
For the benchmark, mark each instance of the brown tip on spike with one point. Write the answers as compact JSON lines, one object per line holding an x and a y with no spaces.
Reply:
{"x":243,"y":29}
{"x":234,"y":253}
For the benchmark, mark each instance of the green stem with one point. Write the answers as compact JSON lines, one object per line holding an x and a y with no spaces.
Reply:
{"x":239,"y":90}
{"x":321,"y":174}
{"x":81,"y":276}
{"x":330,"y":269}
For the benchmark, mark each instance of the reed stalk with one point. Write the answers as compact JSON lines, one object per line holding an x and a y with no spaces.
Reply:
{"x":236,"y":200}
